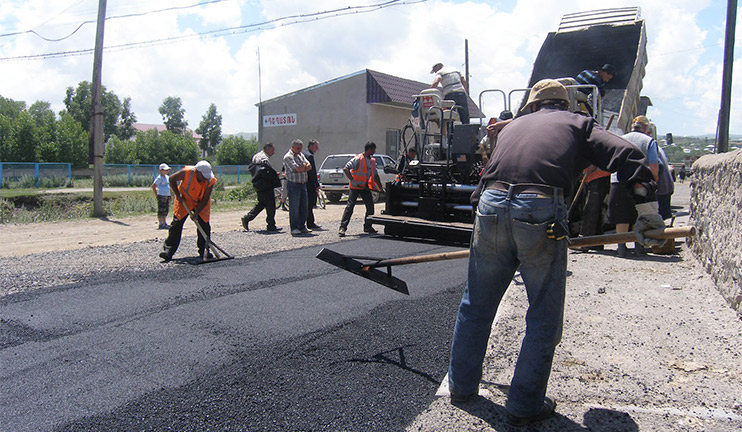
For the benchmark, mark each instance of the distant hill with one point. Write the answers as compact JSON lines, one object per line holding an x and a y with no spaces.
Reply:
{"x":245,"y":135}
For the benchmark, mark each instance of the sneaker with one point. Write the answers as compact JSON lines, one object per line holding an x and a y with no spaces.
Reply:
{"x":305,"y":230}
{"x":165,"y":226}
{"x":547,"y":410}
{"x":166,"y":256}
{"x":314,"y":227}
{"x":370,"y":230}
{"x":295,"y":232}
{"x":273,"y":229}
{"x":341,"y":232}
{"x":245,"y":222}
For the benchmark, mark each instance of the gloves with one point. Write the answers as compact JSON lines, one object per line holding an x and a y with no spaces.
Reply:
{"x":648,"y":219}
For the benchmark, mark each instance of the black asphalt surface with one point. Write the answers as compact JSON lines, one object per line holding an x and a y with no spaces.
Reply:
{"x":278,"y":342}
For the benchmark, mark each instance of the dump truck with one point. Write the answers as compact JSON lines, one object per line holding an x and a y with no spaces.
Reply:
{"x":430,"y":198}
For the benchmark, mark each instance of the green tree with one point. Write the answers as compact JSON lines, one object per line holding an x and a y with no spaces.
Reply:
{"x":10,"y":108}
{"x":78,"y":103}
{"x":72,"y":142}
{"x":23,"y":139}
{"x":236,"y":150}
{"x":6,"y":137}
{"x":46,"y":130}
{"x":128,"y":118}
{"x":120,"y":151}
{"x":173,"y":115}
{"x":210,"y":130}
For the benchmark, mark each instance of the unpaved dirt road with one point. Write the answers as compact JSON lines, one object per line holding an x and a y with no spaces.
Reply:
{"x":24,"y":239}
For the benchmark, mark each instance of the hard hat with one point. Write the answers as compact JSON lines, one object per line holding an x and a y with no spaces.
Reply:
{"x":546,"y":89}
{"x":204,"y":167}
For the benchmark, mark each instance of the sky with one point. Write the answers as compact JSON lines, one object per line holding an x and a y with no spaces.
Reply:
{"x":235,"y":53}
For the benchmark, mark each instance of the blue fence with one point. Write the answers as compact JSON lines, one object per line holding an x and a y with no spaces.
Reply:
{"x":34,"y":174}
{"x":30,"y":174}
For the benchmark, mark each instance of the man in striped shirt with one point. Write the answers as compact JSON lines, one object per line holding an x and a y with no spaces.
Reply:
{"x":296,"y":167}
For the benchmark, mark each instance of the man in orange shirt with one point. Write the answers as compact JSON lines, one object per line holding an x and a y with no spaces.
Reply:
{"x":191,"y":187}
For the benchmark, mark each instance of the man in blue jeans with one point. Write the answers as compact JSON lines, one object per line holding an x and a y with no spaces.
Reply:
{"x":521,"y":224}
{"x":296,"y":167}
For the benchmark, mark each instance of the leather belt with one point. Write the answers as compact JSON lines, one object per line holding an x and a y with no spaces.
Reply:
{"x":541,"y":191}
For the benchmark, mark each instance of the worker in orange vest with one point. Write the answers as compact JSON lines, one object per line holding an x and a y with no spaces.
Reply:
{"x":361,"y":171}
{"x":191,"y":187}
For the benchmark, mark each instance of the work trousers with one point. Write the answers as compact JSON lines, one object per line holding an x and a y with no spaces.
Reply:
{"x":592,"y":218}
{"x":311,"y":203}
{"x":509,"y":233}
{"x":176,"y":231}
{"x":462,"y":101}
{"x":267,"y":201}
{"x":297,"y":205}
{"x":368,"y":200}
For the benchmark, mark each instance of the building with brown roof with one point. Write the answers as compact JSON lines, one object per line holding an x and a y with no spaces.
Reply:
{"x":344,"y":113}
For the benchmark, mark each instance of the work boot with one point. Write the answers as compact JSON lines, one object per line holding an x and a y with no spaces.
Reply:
{"x":341,"y":232}
{"x":273,"y":229}
{"x":621,"y":251}
{"x":166,"y":256}
{"x":245,"y":222}
{"x":639,"y":250}
{"x":547,"y":410}
{"x":369,"y":230}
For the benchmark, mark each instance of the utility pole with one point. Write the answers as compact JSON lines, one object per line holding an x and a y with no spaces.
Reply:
{"x":96,"y":115}
{"x":722,"y":145}
{"x":466,"y":62}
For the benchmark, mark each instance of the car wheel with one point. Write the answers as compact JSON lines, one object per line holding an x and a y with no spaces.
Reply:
{"x":333,"y":197}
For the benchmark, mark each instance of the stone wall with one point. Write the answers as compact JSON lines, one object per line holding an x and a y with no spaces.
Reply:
{"x":716,"y":211}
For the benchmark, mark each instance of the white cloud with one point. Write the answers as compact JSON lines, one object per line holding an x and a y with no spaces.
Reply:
{"x":683,"y":74}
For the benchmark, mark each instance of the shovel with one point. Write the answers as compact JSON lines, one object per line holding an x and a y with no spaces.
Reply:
{"x":209,"y":244}
{"x":371,"y":270}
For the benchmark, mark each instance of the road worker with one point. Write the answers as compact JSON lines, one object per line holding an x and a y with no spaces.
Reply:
{"x":191,"y":188}
{"x":521,"y":224}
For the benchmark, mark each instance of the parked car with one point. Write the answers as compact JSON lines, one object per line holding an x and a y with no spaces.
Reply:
{"x":335,"y":183}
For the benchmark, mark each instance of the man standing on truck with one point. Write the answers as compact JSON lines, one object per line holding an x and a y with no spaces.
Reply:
{"x":361,"y":170}
{"x":454,"y":88}
{"x":598,"y":78}
{"x":520,"y":224}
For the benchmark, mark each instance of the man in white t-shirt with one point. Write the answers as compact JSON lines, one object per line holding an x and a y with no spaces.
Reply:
{"x":453,"y":86}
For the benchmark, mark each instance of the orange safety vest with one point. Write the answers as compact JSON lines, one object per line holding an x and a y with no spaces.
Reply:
{"x":192,"y":192}
{"x":363,"y":177}
{"x":593,"y":173}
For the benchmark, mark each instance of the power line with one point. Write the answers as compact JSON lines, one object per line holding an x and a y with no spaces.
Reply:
{"x":298,"y":19}
{"x":131,"y":15}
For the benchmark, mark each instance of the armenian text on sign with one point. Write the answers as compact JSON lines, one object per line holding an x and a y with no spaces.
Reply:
{"x":279,"y":120}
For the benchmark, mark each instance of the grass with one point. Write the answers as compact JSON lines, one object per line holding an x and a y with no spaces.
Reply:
{"x":29,"y":206}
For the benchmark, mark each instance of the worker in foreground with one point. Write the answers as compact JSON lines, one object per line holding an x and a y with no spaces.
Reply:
{"x":191,"y":187}
{"x":521,"y":224}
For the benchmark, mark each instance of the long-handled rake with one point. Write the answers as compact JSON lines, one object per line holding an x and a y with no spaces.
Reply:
{"x":371,"y":270}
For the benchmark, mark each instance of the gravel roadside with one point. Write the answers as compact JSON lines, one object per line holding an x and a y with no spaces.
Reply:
{"x":44,"y":255}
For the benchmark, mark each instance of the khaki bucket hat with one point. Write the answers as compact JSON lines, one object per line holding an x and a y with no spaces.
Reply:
{"x":546,"y":89}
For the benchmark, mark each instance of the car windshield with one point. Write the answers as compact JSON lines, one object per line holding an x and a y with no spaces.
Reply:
{"x":335,"y":162}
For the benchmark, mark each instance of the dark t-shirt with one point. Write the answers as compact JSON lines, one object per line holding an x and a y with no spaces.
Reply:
{"x":551,"y":147}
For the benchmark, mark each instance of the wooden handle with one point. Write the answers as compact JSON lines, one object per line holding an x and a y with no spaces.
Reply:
{"x":664,"y":233}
